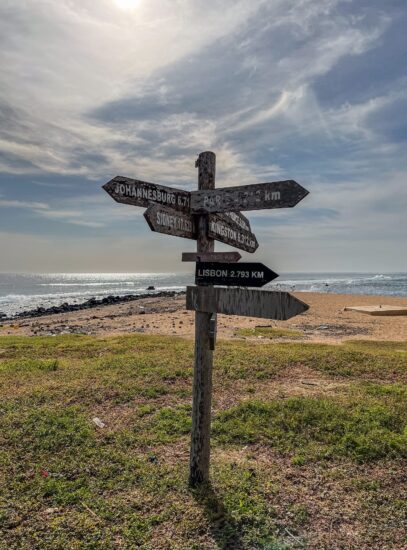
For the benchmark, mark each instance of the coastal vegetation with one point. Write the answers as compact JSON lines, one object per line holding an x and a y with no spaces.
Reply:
{"x":309,"y":444}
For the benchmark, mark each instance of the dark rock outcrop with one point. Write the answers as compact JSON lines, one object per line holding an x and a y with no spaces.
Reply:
{"x":91,"y":303}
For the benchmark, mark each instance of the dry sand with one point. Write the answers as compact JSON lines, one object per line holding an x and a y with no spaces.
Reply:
{"x":325,"y":321}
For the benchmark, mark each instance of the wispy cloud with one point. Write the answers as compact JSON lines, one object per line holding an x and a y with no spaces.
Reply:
{"x":278,"y":89}
{"x":23,"y":204}
{"x":82,"y":217}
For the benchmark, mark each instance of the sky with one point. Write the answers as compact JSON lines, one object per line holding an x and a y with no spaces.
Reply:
{"x":310,"y":90}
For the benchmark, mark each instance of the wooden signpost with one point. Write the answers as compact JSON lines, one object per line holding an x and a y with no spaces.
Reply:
{"x":228,"y":274}
{"x":266,"y":304}
{"x":169,"y":221}
{"x":238,"y":219}
{"x":143,"y":193}
{"x":260,"y":196}
{"x":205,"y":331}
{"x":226,"y":231}
{"x":207,"y":215}
{"x":224,"y":257}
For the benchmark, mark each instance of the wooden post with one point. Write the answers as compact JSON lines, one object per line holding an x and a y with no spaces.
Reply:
{"x":202,"y":386}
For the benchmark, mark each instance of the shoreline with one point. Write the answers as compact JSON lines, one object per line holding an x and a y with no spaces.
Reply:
{"x":164,"y":314}
{"x":26,"y":295}
{"x":93,"y":302}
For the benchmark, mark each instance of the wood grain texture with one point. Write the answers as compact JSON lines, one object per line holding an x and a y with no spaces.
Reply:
{"x":224,"y":257}
{"x":204,"y":344}
{"x":228,"y":232}
{"x":259,"y":196}
{"x":166,"y":220}
{"x":245,"y":302}
{"x":142,"y":193}
{"x":238,"y":219}
{"x":213,"y":330}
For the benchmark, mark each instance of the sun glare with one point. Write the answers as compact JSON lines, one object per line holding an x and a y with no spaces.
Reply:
{"x":127,"y":4}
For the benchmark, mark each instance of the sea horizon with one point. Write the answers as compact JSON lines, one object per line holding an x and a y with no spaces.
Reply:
{"x":302,"y":272}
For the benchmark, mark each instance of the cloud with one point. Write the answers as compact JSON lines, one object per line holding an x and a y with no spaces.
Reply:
{"x":78,"y":211}
{"x":23,"y":204}
{"x":278,"y":89}
{"x":172,"y":100}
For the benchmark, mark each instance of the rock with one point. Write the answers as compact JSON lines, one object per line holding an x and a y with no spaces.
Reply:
{"x":151,"y":287}
{"x":92,"y":302}
{"x":99,"y":423}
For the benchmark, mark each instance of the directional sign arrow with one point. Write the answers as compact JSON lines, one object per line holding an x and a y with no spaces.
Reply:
{"x":243,"y":274}
{"x":238,"y":219}
{"x":169,"y":221}
{"x":244,"y":301}
{"x":226,"y":231}
{"x":276,"y":194}
{"x":143,"y":193}
{"x":225,"y":257}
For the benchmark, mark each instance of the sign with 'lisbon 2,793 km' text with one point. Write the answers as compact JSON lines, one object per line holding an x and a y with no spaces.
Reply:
{"x":233,"y":274}
{"x":208,"y":215}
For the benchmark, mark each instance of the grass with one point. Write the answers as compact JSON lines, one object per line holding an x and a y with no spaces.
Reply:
{"x":282,"y":459}
{"x":321,"y":428}
{"x":269,"y":332}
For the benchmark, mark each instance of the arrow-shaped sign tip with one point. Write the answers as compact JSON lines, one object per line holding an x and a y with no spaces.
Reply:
{"x":109,"y":184}
{"x":301,"y":305}
{"x":304,"y":192}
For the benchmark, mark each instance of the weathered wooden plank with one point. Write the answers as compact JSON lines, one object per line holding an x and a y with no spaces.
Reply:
{"x":204,"y":344}
{"x":259,"y":196}
{"x":169,"y":221}
{"x":213,"y":330}
{"x":246,"y":302}
{"x":142,"y":193}
{"x":225,"y":257}
{"x":238,"y":219}
{"x":243,"y":274}
{"x":229,"y":233}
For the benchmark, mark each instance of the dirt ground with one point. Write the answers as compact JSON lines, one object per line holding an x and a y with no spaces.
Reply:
{"x":325,"y":321}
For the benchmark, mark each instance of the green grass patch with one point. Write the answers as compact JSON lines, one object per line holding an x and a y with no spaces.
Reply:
{"x":28,"y":365}
{"x":65,"y":483}
{"x":317,"y":428}
{"x":169,"y":423}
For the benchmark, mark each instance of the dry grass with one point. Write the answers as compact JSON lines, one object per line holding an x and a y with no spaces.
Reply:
{"x":309,"y":445}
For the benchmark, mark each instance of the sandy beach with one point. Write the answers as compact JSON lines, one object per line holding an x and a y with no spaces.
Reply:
{"x":325,"y":321}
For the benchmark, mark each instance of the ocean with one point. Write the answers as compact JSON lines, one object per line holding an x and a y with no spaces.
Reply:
{"x":25,"y":291}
